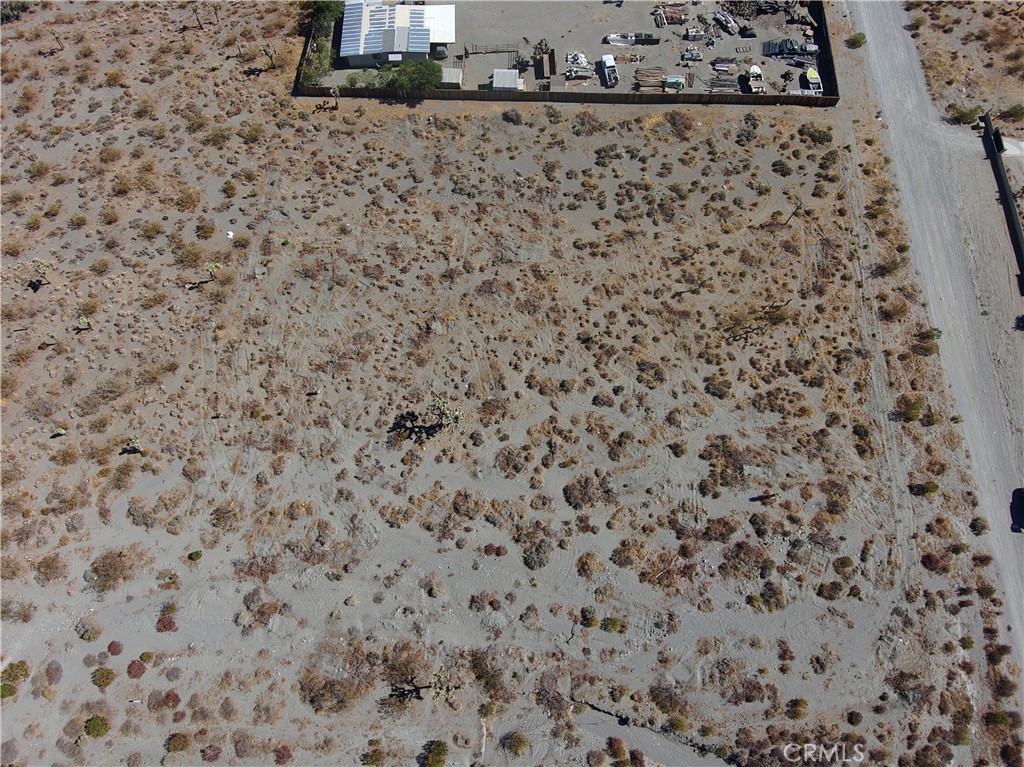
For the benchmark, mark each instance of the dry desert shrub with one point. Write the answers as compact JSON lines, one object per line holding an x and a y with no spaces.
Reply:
{"x":335,"y":694}
{"x":115,"y":567}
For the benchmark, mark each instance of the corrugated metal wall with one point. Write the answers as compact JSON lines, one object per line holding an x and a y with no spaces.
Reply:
{"x":567,"y":97}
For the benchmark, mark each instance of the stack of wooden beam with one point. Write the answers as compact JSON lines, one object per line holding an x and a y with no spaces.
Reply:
{"x":649,"y":79}
{"x":723,"y":85}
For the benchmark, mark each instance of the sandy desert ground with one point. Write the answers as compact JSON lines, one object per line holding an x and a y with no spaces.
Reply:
{"x":682,"y":473}
{"x":973,"y":56}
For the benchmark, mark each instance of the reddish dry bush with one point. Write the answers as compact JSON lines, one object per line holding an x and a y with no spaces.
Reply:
{"x":282,"y":754}
{"x":258,"y":567}
{"x":54,"y":672}
{"x":211,"y":753}
{"x":115,"y":648}
{"x":166,"y":623}
{"x":136,"y":669}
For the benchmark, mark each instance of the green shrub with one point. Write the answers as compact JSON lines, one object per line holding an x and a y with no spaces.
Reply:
{"x":38,"y":170}
{"x":15,"y":672}
{"x":424,"y":74}
{"x":966,"y":115}
{"x":103,"y":677}
{"x":796,"y":708}
{"x":857,"y":40}
{"x":910,"y":407}
{"x":515,"y":743}
{"x":979,"y":525}
{"x":97,"y":726}
{"x":177,"y":741}
{"x":435,"y":753}
{"x":217,"y":137}
{"x":1014,"y":113}
{"x":7,"y":690}
{"x":195,"y":556}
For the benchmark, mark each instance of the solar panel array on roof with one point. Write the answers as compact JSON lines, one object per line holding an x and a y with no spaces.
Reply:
{"x":352,"y":28}
{"x":370,"y":27}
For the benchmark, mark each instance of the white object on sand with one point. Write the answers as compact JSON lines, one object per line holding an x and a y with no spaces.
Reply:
{"x":231,"y":235}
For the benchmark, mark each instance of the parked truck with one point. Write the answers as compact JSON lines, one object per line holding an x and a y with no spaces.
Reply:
{"x":611,"y":74}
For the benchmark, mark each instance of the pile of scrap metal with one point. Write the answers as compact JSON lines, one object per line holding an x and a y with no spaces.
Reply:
{"x":724,"y":64}
{"x":577,"y":66}
{"x":669,"y":13}
{"x":751,"y":9}
{"x":727,"y":22}
{"x":788,"y":48}
{"x":692,"y":53}
{"x":631,"y":38}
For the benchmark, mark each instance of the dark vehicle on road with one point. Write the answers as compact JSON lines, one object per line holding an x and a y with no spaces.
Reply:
{"x":1017,"y":510}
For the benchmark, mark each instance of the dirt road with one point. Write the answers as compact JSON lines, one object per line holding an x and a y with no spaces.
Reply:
{"x":960,"y":246}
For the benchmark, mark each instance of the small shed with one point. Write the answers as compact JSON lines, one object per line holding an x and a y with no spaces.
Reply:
{"x":506,"y":80}
{"x":451,"y":77}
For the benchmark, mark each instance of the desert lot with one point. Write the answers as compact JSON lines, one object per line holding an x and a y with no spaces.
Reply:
{"x":583,"y":27}
{"x":681,"y":483}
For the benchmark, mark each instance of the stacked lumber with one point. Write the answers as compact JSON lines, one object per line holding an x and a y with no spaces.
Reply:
{"x":723,"y":85}
{"x":649,"y":79}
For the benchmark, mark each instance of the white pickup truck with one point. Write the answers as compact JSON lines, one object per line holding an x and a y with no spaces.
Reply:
{"x":611,"y":74}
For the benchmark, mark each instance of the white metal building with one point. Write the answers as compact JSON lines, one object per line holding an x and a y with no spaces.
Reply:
{"x":507,"y":80}
{"x":373,"y":33}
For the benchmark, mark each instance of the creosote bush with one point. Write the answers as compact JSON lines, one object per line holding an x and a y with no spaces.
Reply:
{"x":435,"y":753}
{"x":177,"y":741}
{"x":97,"y":726}
{"x":103,"y":677}
{"x":857,"y":40}
{"x":515,"y":743}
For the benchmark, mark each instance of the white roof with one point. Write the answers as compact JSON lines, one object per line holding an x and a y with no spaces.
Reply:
{"x":441,"y":21}
{"x":451,"y":75}
{"x":506,"y":79}
{"x":755,"y":69}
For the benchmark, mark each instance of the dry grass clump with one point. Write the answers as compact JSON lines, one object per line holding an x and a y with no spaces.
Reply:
{"x":115,"y":567}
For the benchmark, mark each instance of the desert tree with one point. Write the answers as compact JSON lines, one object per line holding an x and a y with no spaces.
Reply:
{"x":270,"y":52}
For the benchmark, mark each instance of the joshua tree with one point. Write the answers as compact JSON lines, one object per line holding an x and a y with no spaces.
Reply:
{"x":41,"y":268}
{"x":336,"y":92}
{"x":269,"y":52}
{"x":195,"y":10}
{"x":541,"y":48}
{"x":57,"y":38}
{"x":134,"y":446}
{"x":408,"y":426}
{"x":441,"y":688}
{"x":447,"y":417}
{"x":211,"y":268}
{"x":216,"y":13}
